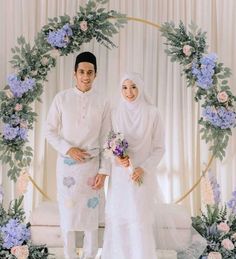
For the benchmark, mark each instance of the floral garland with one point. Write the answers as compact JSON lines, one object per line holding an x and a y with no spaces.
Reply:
{"x":202,"y":70}
{"x":60,"y":37}
{"x":218,"y":223}
{"x":15,"y":235}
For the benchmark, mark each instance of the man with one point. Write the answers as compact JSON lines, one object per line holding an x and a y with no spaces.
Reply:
{"x":77,"y":123}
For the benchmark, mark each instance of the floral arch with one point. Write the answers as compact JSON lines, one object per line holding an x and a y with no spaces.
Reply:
{"x":64,"y":35}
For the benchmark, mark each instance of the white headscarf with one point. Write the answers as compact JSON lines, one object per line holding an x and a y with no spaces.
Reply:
{"x":131,"y":118}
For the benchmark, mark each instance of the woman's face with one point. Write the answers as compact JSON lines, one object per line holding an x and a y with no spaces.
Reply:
{"x":129,"y":90}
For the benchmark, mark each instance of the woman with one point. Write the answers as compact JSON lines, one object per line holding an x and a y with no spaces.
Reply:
{"x":129,"y":223}
{"x":136,"y":221}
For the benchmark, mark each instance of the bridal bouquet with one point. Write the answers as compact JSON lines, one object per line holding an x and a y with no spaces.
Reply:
{"x":117,"y":145}
{"x":15,"y":235}
{"x":217,"y":223}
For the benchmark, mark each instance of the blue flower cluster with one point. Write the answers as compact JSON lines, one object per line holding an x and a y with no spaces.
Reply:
{"x":60,"y":38}
{"x":205,"y":72}
{"x":220,"y":117}
{"x":14,"y":234}
{"x":10,"y":132}
{"x":19,"y":87}
{"x":232,"y":203}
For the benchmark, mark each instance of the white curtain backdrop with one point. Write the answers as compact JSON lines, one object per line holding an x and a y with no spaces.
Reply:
{"x":140,"y":49}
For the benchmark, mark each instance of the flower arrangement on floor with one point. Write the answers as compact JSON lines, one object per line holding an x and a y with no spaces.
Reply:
{"x":15,"y":235}
{"x":61,"y":36}
{"x":217,"y":224}
{"x":210,"y":77}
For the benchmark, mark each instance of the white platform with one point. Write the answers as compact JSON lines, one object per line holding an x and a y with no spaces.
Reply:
{"x":45,"y":229}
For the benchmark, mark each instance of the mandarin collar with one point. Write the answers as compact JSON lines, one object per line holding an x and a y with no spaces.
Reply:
{"x":83,"y":94}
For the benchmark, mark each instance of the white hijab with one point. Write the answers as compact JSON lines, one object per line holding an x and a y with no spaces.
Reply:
{"x":131,"y":118}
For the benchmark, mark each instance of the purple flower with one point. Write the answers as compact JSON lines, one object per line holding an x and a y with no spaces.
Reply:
{"x":14,"y":234}
{"x":69,"y":181}
{"x":215,"y":188}
{"x":19,"y":87}
{"x":10,"y":132}
{"x":232,"y":203}
{"x":205,"y":72}
{"x":220,"y":117}
{"x":60,"y":38}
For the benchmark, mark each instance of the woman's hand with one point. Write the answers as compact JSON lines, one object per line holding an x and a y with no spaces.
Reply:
{"x":137,"y":175}
{"x":123,"y":161}
{"x":78,"y":154}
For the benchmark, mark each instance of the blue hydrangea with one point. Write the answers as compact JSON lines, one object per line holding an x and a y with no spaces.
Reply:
{"x":19,"y":87}
{"x":232,"y":203}
{"x":14,"y":234}
{"x":93,"y":202}
{"x":205,"y":72}
{"x":10,"y":132}
{"x":221,"y":117}
{"x":59,"y":38}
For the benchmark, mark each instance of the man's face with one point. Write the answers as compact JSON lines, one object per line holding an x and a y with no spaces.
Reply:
{"x":85,"y":76}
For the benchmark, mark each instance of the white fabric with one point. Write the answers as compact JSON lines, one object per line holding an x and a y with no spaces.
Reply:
{"x":137,"y":221}
{"x":141,"y":49}
{"x":129,"y":232}
{"x":70,"y":123}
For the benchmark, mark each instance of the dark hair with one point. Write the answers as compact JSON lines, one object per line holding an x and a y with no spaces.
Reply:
{"x":86,"y":57}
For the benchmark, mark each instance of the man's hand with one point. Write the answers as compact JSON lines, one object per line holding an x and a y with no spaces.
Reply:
{"x":78,"y":154}
{"x":99,"y":181}
{"x":123,"y":161}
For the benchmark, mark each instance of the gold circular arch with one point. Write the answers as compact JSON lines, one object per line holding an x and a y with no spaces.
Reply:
{"x":196,"y":183}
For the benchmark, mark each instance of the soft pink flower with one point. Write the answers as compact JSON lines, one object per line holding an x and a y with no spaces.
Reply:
{"x":54,"y":53}
{"x":222,"y":97}
{"x":18,"y":107}
{"x":223,"y":227}
{"x":44,"y":61}
{"x":22,"y":183}
{"x":214,"y":255}
{"x":187,"y":50}
{"x":227,"y":244}
{"x":84,"y":26}
{"x":24,"y":124}
{"x":20,"y":252}
{"x":234,"y":236}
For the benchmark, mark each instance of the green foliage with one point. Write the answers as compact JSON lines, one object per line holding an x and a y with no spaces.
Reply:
{"x":178,"y":38}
